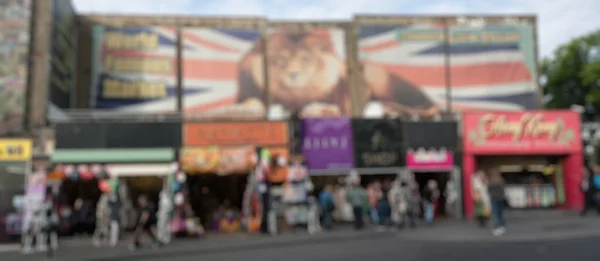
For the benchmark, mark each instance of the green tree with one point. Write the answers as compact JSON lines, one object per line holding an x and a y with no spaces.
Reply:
{"x":572,"y":75}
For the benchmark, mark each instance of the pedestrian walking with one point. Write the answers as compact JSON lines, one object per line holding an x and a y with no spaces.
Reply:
{"x":481,"y":198}
{"x":327,"y":204}
{"x":409,"y":203}
{"x":451,"y":195}
{"x":498,"y":199}
{"x":357,"y":197}
{"x":114,"y":207}
{"x":373,"y":194}
{"x":102,"y":229}
{"x":431,"y":194}
{"x":146,"y":221}
{"x":383,"y":204}
{"x":588,"y":190}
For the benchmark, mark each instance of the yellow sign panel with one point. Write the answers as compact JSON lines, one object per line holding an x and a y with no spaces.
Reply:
{"x":15,"y":149}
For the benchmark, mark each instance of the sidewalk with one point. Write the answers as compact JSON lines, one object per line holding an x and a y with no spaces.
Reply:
{"x":76,"y":251}
{"x":519,"y":229}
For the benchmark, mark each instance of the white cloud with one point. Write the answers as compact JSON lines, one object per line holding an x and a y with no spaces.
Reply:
{"x":559,"y":20}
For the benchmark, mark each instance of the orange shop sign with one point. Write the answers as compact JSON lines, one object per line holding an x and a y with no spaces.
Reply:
{"x":214,"y":159}
{"x":529,"y":132}
{"x":262,"y":133}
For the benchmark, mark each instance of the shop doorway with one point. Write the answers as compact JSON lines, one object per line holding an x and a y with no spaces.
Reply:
{"x":215,"y":198}
{"x":441,"y":178}
{"x":79,"y":198}
{"x":133,"y":187}
{"x":531,"y":182}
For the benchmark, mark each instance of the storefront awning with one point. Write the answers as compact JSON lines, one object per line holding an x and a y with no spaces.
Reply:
{"x":113,"y":155}
{"x":139,"y":170}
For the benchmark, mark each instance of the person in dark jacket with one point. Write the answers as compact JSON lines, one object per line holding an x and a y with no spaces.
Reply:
{"x":587,"y":188}
{"x":497,"y":198}
{"x":146,"y":221}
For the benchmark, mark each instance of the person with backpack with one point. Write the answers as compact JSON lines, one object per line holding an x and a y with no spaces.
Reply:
{"x":596,"y":182}
{"x":327,"y":206}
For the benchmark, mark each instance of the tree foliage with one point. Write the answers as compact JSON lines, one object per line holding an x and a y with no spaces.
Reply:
{"x":572,"y":75}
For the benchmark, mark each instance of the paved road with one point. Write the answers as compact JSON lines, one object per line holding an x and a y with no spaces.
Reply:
{"x":393,"y":249}
{"x":380,"y":248}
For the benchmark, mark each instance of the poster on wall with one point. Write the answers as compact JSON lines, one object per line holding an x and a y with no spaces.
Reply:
{"x":491,"y":68}
{"x":414,"y":79}
{"x":377,"y":143}
{"x":224,"y":77}
{"x":327,"y":143}
{"x":494,"y":67}
{"x":307,"y":73}
{"x":135,"y":69}
{"x":216,"y":67}
{"x":14,"y":57}
{"x":63,"y":49}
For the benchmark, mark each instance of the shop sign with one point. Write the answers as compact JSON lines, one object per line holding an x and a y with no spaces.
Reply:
{"x":327,"y":143}
{"x":377,"y":143}
{"x":429,"y":159}
{"x":522,"y":132}
{"x":15,"y":149}
{"x":214,"y":159}
{"x":236,"y":133}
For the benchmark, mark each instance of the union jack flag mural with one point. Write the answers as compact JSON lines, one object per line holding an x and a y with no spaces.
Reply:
{"x":491,"y":68}
{"x":137,"y":68}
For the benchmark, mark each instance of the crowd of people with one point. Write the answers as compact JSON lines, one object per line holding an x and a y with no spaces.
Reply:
{"x":383,"y":204}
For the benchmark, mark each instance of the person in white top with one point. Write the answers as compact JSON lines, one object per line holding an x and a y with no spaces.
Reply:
{"x":481,"y":197}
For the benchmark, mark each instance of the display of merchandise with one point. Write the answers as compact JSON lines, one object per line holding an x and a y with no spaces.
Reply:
{"x":530,"y":196}
{"x":295,"y":215}
{"x":294,"y":192}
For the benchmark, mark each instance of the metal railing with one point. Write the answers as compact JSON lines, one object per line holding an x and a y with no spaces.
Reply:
{"x":87,"y":115}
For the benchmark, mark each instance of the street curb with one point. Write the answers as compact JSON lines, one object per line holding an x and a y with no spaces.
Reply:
{"x":262,"y":244}
{"x":506,"y":238}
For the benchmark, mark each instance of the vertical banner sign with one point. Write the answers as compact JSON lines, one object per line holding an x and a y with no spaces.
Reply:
{"x":493,"y":66}
{"x":327,"y":143}
{"x":135,"y":69}
{"x":14,"y":58}
{"x":62,"y":51}
{"x":377,"y":143}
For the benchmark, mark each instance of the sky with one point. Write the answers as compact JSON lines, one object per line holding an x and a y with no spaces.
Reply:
{"x":558,"y":20}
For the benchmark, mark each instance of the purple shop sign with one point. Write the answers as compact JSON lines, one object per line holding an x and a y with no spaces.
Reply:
{"x":327,"y":143}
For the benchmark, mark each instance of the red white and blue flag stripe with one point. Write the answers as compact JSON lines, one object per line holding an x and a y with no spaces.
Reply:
{"x":484,"y":76}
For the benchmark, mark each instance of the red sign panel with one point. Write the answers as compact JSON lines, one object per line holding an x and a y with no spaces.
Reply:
{"x":526,"y":132}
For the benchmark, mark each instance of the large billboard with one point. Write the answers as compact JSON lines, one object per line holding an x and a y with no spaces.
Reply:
{"x":400,"y":76}
{"x":493,"y":66}
{"x":135,"y":69}
{"x":307,"y":73}
{"x":14,"y":56}
{"x":224,"y":78}
{"x":220,"y":70}
{"x":405,"y":70}
{"x":62,"y":50}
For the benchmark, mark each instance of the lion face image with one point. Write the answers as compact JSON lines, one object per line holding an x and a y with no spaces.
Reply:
{"x":302,"y":68}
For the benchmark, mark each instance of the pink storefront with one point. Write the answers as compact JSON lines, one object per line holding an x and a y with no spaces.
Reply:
{"x":539,"y":154}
